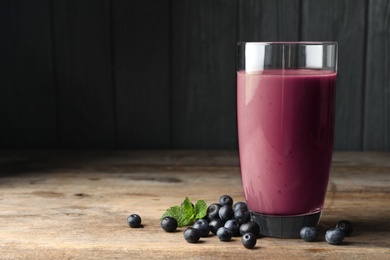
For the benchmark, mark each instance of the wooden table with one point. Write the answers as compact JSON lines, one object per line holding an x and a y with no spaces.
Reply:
{"x":74,"y":205}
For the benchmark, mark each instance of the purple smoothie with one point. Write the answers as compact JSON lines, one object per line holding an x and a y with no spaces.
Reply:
{"x":286,"y":122}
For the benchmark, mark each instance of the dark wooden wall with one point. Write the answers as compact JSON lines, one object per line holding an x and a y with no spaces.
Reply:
{"x":96,"y":74}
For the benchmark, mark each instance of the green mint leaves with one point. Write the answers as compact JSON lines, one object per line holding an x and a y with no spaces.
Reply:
{"x":200,"y":209}
{"x":186,"y":214}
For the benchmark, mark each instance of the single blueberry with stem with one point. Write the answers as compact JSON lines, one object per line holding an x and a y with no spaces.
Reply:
{"x":308,"y":234}
{"x":191,"y":235}
{"x":169,"y":224}
{"x":249,"y":240}
{"x":134,"y":221}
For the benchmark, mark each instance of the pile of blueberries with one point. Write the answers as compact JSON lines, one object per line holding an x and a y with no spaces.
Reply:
{"x":226,"y":220}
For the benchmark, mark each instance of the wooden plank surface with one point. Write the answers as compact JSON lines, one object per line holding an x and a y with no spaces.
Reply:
{"x":160,"y":74}
{"x":268,"y":20}
{"x":83,"y":69}
{"x":377,"y":80}
{"x":344,"y":22}
{"x":27,"y":94}
{"x":141,"y":38}
{"x":74,"y":205}
{"x":204,"y":36}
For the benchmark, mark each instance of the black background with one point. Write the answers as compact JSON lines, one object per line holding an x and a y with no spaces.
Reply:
{"x":148,"y":74}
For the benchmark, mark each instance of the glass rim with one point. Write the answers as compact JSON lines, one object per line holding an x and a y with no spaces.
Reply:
{"x":241,"y":43}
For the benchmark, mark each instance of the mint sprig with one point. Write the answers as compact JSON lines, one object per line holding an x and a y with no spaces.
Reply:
{"x":186,"y":214}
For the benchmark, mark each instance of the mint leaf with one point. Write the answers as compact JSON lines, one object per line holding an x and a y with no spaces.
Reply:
{"x":188,"y":207}
{"x":200,"y":209}
{"x":180,"y":214}
{"x":186,"y":214}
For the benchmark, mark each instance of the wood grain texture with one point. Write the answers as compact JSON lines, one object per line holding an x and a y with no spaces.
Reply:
{"x":344,"y":22}
{"x":268,"y":20}
{"x":141,"y":38}
{"x":84,"y":79}
{"x":27,"y":94}
{"x":377,"y":83}
{"x":203,"y":74}
{"x":74,"y":205}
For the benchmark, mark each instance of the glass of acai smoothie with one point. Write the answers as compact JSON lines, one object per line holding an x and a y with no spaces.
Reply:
{"x":286,"y":109}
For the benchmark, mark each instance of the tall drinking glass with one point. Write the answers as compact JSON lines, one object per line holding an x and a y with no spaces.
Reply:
{"x":285,"y":106}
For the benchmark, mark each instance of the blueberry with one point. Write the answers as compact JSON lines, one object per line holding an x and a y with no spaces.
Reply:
{"x":334,"y":236}
{"x":226,"y":200}
{"x":345,"y":226}
{"x":191,"y":235}
{"x":233,"y":225}
{"x":224,"y":234}
{"x":240,"y":206}
{"x":308,"y":234}
{"x":212,"y":211}
{"x":250,"y":227}
{"x":249,"y":240}
{"x":242,"y":216}
{"x":134,"y":221}
{"x":215,"y":224}
{"x":169,"y":224}
{"x":203,"y":226}
{"x":226,"y":212}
